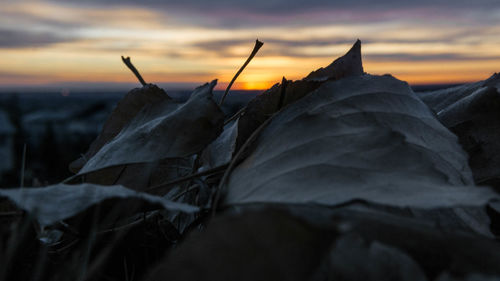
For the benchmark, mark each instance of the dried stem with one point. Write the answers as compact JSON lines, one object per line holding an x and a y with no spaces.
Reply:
{"x":235,"y":160}
{"x":186,"y":178}
{"x":247,"y":143}
{"x":23,"y":167}
{"x":189,"y":189}
{"x":256,"y":48}
{"x":128,"y":225}
{"x":11,"y":214}
{"x":128,"y":63}
{"x":235,"y":116}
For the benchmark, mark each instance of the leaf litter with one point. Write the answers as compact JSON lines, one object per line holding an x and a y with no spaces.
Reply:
{"x":317,"y":176}
{"x":471,"y":111}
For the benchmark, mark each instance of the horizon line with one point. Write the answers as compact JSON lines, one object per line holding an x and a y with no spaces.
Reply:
{"x":170,"y":86}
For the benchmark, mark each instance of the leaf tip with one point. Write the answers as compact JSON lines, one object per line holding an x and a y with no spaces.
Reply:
{"x":213,"y":83}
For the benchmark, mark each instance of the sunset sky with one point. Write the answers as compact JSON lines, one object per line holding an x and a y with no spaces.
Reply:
{"x":184,"y":43}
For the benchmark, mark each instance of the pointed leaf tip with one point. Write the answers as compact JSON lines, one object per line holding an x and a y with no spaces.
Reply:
{"x":349,"y":64}
{"x":354,"y":51}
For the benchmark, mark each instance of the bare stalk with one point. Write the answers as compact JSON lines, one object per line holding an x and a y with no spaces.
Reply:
{"x":256,"y":48}
{"x":234,"y":161}
{"x":23,"y":167}
{"x":128,"y":63}
{"x":215,"y":170}
{"x":235,"y":116}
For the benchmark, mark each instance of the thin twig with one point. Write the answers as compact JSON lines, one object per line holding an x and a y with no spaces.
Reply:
{"x":71,"y":178}
{"x":241,"y":151}
{"x":189,"y":177}
{"x":236,"y":157}
{"x":66,"y":228}
{"x":12,"y":214}
{"x":23,"y":167}
{"x":189,"y":189}
{"x":235,"y":116}
{"x":65,"y":247}
{"x":120,"y":174}
{"x":127,"y":225}
{"x":128,"y":63}
{"x":256,"y":48}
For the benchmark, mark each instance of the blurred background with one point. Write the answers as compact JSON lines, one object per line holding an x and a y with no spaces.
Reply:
{"x":57,"y":129}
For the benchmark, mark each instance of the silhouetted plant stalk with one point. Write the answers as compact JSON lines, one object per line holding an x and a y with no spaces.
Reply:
{"x":158,"y":188}
{"x":256,"y":48}
{"x":128,"y":63}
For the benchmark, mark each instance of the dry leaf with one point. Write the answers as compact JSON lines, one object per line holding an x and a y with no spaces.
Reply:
{"x":164,"y":130}
{"x":349,"y":64}
{"x":472,"y":112}
{"x":360,"y":138}
{"x":221,"y":150}
{"x":58,"y":202}
{"x":440,"y":99}
{"x":264,"y":105}
{"x":125,"y":111}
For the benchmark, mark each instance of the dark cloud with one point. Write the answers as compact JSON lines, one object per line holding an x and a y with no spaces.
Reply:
{"x":294,"y":48}
{"x":314,"y":42}
{"x":234,"y":14}
{"x":216,"y":45}
{"x":27,"y":39}
{"x":426,"y":57}
{"x":221,"y":46}
{"x":273,"y":47}
{"x":287,"y":6}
